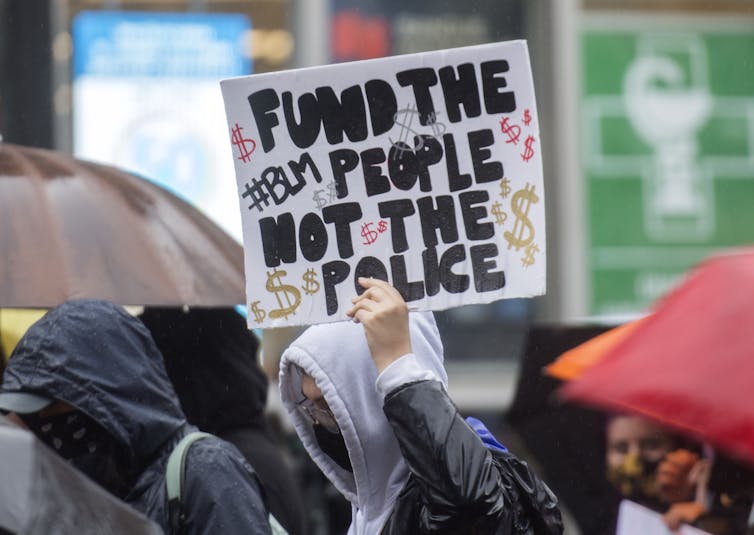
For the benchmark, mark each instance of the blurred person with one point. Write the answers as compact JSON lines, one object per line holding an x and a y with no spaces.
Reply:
{"x":724,"y":498}
{"x":635,"y":447}
{"x":211,"y":359}
{"x":370,"y":405}
{"x":651,"y":465}
{"x":88,"y":380}
{"x":682,"y":482}
{"x":714,"y":493}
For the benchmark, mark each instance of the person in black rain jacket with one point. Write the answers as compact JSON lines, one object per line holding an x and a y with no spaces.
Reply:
{"x":88,"y":380}
{"x":369,"y":403}
{"x":211,"y":359}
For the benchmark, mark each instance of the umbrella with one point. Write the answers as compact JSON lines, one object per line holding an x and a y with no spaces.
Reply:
{"x":74,"y":229}
{"x":574,"y":362}
{"x":690,"y":365}
{"x":41,"y":494}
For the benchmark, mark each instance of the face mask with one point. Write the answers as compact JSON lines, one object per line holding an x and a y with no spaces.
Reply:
{"x":635,"y":479}
{"x":86,"y":445}
{"x":71,"y":435}
{"x":334,"y":446}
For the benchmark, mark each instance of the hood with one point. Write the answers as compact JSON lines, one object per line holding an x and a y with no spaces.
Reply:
{"x":211,"y":359}
{"x":337,"y":356}
{"x":96,"y":357}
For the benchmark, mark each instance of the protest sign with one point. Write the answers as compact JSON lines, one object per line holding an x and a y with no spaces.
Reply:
{"x":635,"y":519}
{"x":423,"y":170}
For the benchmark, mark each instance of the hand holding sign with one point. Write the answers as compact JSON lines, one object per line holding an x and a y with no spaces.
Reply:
{"x":384,"y":315}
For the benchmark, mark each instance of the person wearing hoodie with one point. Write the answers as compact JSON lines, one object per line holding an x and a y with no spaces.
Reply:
{"x":368,"y":399}
{"x":88,"y":380}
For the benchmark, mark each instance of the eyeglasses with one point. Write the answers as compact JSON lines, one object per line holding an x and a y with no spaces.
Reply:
{"x":319,"y":415}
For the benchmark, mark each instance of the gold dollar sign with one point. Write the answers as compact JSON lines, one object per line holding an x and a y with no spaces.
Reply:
{"x":311,"y":285}
{"x":259,"y":313}
{"x":529,"y":252}
{"x":497,"y":211}
{"x":520,"y":204}
{"x":292,"y":295}
{"x":505,"y":188}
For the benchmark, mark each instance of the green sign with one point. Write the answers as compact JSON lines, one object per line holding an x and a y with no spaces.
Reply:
{"x":668,"y":141}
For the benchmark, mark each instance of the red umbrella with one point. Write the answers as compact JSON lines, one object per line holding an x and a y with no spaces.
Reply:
{"x":74,"y":229}
{"x":576,"y":361}
{"x":690,"y":365}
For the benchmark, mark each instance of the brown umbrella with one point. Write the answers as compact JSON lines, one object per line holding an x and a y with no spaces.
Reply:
{"x":74,"y":229}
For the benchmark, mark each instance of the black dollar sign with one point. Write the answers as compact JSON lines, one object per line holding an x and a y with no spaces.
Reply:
{"x":401,"y":146}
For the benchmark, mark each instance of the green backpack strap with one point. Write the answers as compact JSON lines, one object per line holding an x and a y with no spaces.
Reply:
{"x":275,"y":527}
{"x":174,"y":483}
{"x":174,"y":479}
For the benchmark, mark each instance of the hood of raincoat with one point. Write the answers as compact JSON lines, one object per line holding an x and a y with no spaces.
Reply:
{"x":337,"y":356}
{"x":211,"y":360}
{"x":96,"y":357}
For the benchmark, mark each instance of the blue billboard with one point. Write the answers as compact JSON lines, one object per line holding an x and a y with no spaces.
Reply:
{"x":147,"y":98}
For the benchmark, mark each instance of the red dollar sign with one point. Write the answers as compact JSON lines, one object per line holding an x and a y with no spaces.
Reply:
{"x":368,"y":234}
{"x":239,"y":141}
{"x":513,"y":131}
{"x":528,"y":150}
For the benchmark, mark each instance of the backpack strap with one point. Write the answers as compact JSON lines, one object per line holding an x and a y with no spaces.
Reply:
{"x":174,"y":483}
{"x":275,"y":526}
{"x":174,"y":479}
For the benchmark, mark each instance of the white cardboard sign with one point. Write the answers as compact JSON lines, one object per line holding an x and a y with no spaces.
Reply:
{"x":423,"y":170}
{"x":635,"y":519}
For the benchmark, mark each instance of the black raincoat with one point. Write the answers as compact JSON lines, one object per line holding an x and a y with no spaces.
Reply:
{"x":458,"y":485}
{"x":97,"y":358}
{"x":211,"y":359}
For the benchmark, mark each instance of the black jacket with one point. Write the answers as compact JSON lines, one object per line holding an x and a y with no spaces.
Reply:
{"x":457,"y":485}
{"x":211,"y":359}
{"x":96,"y":357}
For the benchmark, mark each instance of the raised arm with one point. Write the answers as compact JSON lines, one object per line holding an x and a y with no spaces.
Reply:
{"x":462,"y":487}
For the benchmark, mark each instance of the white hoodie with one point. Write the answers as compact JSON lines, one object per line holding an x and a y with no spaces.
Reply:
{"x":337,"y":356}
